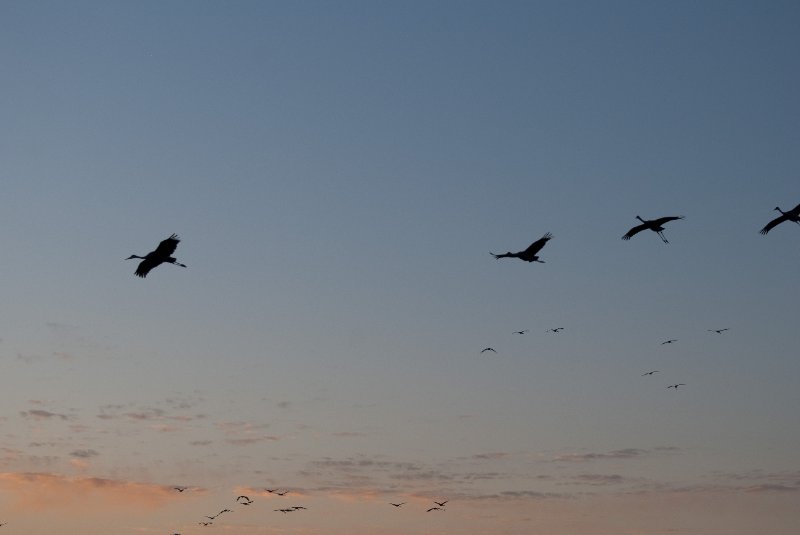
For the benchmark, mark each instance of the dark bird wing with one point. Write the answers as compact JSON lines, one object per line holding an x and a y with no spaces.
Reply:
{"x":536,"y":246}
{"x":634,"y":231}
{"x":775,"y":222}
{"x":661,"y":220}
{"x":145,"y":266}
{"x":168,"y":246}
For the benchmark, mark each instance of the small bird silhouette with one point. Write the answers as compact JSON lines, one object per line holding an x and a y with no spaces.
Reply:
{"x":669,"y":342}
{"x":397,"y":504}
{"x":555,"y":330}
{"x":205,"y":523}
{"x":441,"y":504}
{"x":521,"y":332}
{"x":484,"y":350}
{"x":270,"y":490}
{"x":434,"y":509}
{"x":245,"y":498}
{"x":718,"y":331}
{"x":158,"y":257}
{"x":792,"y":215}
{"x":296,"y":507}
{"x":651,"y":224}
{"x":284,"y":493}
{"x":676,"y":386}
{"x":180,"y":489}
{"x":650,"y":373}
{"x":529,"y":254}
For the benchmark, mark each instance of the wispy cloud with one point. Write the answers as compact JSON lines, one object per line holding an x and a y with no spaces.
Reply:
{"x":626,"y":453}
{"x":84,"y":454}
{"x":41,"y":414}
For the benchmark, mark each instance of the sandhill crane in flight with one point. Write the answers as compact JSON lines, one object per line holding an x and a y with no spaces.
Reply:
{"x":676,"y":386}
{"x":434,"y":509}
{"x":792,"y":215}
{"x":651,"y":224}
{"x":180,"y":489}
{"x":718,"y":331}
{"x":245,"y":498}
{"x":158,"y":257}
{"x":670,"y":341}
{"x":397,"y":504}
{"x":205,"y":523}
{"x":521,"y":332}
{"x":283,"y":493}
{"x":555,"y":330}
{"x":529,"y":254}
{"x":650,"y":373}
{"x":441,"y":504}
{"x":485,"y":349}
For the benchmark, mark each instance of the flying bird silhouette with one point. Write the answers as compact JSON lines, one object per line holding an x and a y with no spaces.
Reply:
{"x":397,"y":504}
{"x":521,"y":332}
{"x":484,"y":350}
{"x":180,"y":489}
{"x":651,"y":224}
{"x":284,"y":493}
{"x":158,"y":257}
{"x":441,"y":504}
{"x":792,"y":215}
{"x":205,"y":523}
{"x":718,"y":331}
{"x":529,"y":254}
{"x":555,"y":330}
{"x":246,"y":498}
{"x":434,"y":509}
{"x":676,"y":386}
{"x":672,"y":341}
{"x":650,"y":373}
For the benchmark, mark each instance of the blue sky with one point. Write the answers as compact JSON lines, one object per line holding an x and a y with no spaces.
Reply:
{"x":338,"y":175}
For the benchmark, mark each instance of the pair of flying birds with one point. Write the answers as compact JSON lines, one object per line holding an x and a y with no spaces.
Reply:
{"x":531,"y":254}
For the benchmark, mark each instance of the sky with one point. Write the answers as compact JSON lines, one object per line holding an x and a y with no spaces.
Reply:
{"x":338,"y":173}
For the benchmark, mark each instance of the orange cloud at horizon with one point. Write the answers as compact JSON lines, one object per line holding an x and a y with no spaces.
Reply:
{"x":35,"y":491}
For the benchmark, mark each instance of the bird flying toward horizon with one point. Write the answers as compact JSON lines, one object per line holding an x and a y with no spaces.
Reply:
{"x":180,"y":489}
{"x":555,"y":330}
{"x":485,"y":349}
{"x":397,"y":504}
{"x":676,"y":386}
{"x":521,"y":332}
{"x":529,"y":254}
{"x":650,"y":373}
{"x":792,"y":215}
{"x":671,"y":341}
{"x":155,"y":258}
{"x":434,"y":509}
{"x":441,"y":504}
{"x":718,"y":331}
{"x":651,"y":224}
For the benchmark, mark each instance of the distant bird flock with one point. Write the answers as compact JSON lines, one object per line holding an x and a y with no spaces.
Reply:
{"x":163,"y":254}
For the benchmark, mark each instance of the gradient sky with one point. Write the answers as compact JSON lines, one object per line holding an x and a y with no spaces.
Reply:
{"x":338,"y":173}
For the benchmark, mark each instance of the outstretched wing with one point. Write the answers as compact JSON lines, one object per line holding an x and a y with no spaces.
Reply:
{"x":774,"y":223}
{"x":536,"y":246}
{"x":634,"y":231}
{"x":168,"y":246}
{"x":145,"y":266}
{"x":661,"y":220}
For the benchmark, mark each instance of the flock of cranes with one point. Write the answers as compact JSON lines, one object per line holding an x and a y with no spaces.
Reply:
{"x":163,"y":254}
{"x":246,"y":500}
